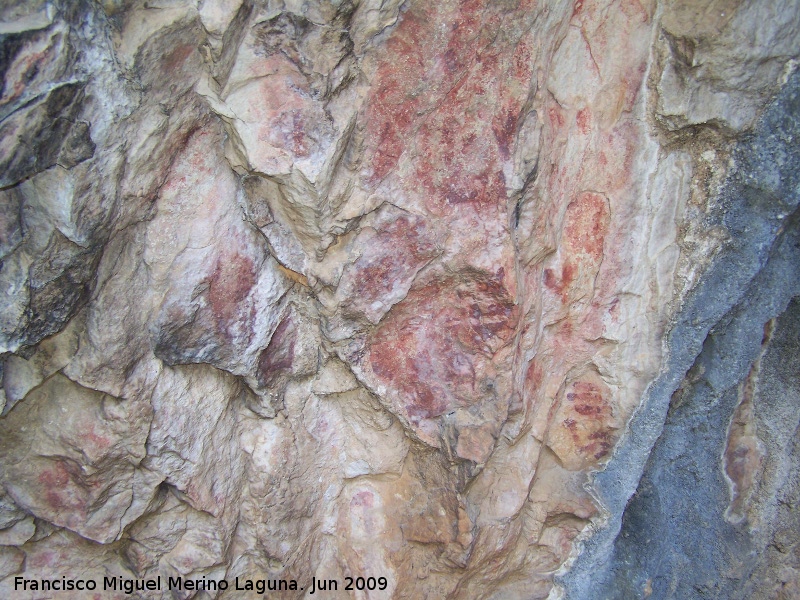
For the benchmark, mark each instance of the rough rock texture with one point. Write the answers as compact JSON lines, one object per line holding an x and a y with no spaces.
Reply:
{"x":489,"y":299}
{"x":722,"y":464}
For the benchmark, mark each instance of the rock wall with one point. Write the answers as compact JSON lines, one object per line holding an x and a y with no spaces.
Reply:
{"x":476,"y":299}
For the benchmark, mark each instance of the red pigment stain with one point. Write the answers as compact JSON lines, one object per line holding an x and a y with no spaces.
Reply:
{"x":278,"y":356}
{"x":586,"y":224}
{"x":57,"y":483}
{"x":587,"y":400}
{"x":233,"y":278}
{"x":97,"y":443}
{"x":465,"y":123}
{"x":738,"y":462}
{"x":582,"y":119}
{"x":613,"y":310}
{"x":585,"y":228}
{"x":556,"y":117}
{"x":534,"y":378}
{"x":31,"y":65}
{"x":56,"y":477}
{"x":590,"y":428}
{"x":392,"y":107}
{"x":48,"y":558}
{"x":291,"y":129}
{"x":635,"y":10}
{"x":504,"y":128}
{"x":600,"y":444}
{"x":299,"y":146}
{"x":619,"y":147}
{"x":565,"y":329}
{"x":363,"y":500}
{"x":200,"y":159}
{"x":460,"y":160}
{"x":194,"y":165}
{"x":175,"y":59}
{"x":560,"y":285}
{"x":392,"y":257}
{"x":377,"y":275}
{"x":433,"y":345}
{"x":505,"y":121}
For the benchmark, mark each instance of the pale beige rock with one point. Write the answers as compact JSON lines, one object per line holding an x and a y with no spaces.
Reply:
{"x":724,"y":58}
{"x":218,"y":14}
{"x":193,"y":407}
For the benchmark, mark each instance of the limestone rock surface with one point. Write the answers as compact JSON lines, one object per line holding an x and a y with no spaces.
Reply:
{"x":479,"y":299}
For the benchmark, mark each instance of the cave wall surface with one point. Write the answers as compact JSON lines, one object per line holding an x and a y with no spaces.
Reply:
{"x":487,"y":299}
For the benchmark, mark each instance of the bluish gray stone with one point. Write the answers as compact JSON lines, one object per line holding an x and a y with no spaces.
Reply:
{"x":665,"y":490}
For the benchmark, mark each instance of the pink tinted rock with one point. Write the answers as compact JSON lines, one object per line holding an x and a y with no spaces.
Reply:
{"x":436,"y":351}
{"x":394,"y":248}
{"x":75,"y":468}
{"x":223,"y":290}
{"x":585,"y":427}
{"x":279,"y":124}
